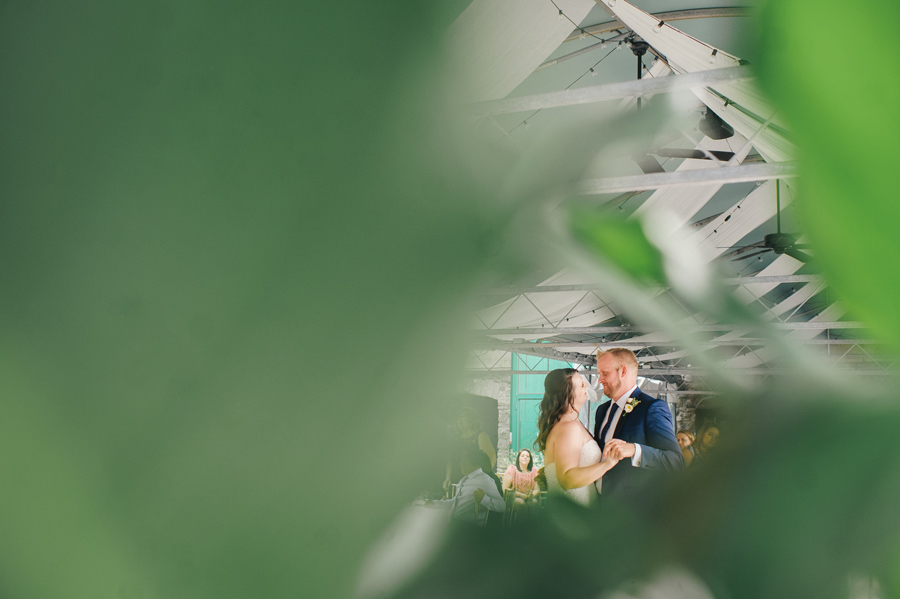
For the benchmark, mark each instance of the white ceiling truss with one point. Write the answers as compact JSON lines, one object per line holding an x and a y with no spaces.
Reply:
{"x":501,"y":43}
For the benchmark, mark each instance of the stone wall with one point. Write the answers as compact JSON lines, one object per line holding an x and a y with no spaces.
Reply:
{"x":499,"y":390}
{"x":684,"y":414}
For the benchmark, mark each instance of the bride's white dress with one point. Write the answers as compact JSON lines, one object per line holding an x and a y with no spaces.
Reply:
{"x":590,"y":454}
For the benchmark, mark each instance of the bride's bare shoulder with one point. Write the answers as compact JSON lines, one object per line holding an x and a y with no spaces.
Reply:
{"x":565,"y":429}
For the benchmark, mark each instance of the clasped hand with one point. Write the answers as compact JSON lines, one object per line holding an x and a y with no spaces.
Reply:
{"x":617,"y":449}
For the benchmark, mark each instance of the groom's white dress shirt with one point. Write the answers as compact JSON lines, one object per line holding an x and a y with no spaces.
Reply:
{"x":462,"y":504}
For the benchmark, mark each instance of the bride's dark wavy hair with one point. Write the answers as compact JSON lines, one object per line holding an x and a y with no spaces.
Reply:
{"x":559,"y":396}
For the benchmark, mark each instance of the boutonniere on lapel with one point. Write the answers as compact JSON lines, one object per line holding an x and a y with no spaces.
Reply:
{"x":631,"y":404}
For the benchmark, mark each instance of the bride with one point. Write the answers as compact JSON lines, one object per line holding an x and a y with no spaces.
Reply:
{"x":572,"y":459}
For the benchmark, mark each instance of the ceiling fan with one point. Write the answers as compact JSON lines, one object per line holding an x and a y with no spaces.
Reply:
{"x":711,"y":125}
{"x":778,"y":242}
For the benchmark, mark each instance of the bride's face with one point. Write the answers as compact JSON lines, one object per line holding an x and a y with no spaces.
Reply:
{"x":579,"y":389}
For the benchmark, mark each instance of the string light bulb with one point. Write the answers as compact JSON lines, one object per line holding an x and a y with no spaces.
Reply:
{"x":593,"y":72}
{"x":603,"y":44}
{"x":712,"y":57}
{"x":562,"y":17}
{"x":582,"y":35}
{"x":659,"y":27}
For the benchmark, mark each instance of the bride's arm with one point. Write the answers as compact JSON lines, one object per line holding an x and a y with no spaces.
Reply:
{"x":568,"y":456}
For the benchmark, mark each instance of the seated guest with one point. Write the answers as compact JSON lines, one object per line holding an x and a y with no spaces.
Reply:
{"x":467,"y":433}
{"x":475,"y":487}
{"x":685,"y":440}
{"x":520,"y":478}
{"x":484,"y":462}
{"x":707,"y":437}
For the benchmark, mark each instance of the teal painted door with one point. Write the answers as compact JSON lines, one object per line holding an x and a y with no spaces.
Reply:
{"x":526,"y":392}
{"x":527,"y":412}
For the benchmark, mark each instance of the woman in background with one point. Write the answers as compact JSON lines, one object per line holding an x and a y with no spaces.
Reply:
{"x":685,"y":442}
{"x":520,"y":478}
{"x":707,"y":438}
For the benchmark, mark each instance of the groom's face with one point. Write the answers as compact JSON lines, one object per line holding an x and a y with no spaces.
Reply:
{"x":612,"y":375}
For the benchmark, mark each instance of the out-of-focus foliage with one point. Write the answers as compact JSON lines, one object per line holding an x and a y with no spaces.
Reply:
{"x":801,"y":497}
{"x":230,"y":249}
{"x":842,"y":109}
{"x":785,"y":509}
{"x":229,"y":242}
{"x":623,"y":243}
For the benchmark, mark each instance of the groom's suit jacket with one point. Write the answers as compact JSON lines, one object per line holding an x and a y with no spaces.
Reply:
{"x":650,"y":425}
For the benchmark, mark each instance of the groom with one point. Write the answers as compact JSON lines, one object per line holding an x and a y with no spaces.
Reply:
{"x":633,"y":427}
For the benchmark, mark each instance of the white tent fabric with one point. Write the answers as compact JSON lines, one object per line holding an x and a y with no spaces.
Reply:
{"x":657,"y":69}
{"x":766,"y":355}
{"x":581,"y":308}
{"x":495,"y":44}
{"x":720,"y":235}
{"x":781,"y":266}
{"x":741,"y":105}
{"x":792,"y":302}
{"x":682,"y":203}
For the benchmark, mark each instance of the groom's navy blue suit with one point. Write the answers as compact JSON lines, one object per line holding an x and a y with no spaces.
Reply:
{"x":650,"y":425}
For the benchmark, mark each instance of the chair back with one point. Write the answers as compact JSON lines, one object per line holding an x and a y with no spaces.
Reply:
{"x":509,"y":515}
{"x":480,"y":509}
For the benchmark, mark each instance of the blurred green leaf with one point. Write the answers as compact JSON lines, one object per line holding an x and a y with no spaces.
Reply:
{"x":223,"y":264}
{"x":785,"y":508}
{"x":842,"y":106}
{"x":621,"y":243}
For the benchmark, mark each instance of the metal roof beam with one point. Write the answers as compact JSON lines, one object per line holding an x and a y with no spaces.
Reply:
{"x":722,"y":175}
{"x":611,"y":26}
{"x":546,"y":331}
{"x":612,"y":40}
{"x":522,"y":347}
{"x":610,"y":91}
{"x":670,"y":15}
{"x":594,"y":287}
{"x":650,"y":372}
{"x":551,"y":354}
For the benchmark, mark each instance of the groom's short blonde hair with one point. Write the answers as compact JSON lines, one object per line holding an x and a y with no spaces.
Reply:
{"x":622,"y":356}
